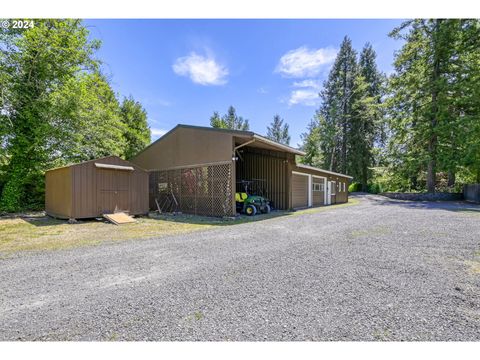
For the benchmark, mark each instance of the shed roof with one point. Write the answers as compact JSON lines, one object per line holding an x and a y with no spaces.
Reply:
{"x":94,"y":160}
{"x":322,"y":170}
{"x":241,"y":137}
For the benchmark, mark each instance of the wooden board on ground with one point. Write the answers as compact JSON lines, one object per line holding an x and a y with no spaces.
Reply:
{"x":119,"y":218}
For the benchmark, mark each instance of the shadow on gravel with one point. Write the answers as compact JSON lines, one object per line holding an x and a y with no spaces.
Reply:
{"x":456,"y":206}
{"x":206,"y":220}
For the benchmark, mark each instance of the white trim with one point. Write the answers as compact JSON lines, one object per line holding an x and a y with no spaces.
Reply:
{"x":299,"y":173}
{"x":309,"y":196}
{"x":114,"y":167}
{"x":325,"y":187}
{"x":310,"y":193}
{"x":326,"y":192}
{"x":333,"y":187}
{"x":324,"y":171}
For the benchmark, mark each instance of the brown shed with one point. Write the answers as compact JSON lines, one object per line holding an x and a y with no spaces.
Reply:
{"x":96,"y":187}
{"x":203,"y":167}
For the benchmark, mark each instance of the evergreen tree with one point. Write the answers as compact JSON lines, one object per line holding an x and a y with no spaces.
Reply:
{"x":432,"y":98}
{"x":229,"y":121}
{"x":311,"y":144}
{"x":277,"y":131}
{"x":137,"y":132}
{"x":361,"y":132}
{"x":375,"y":81}
{"x":366,"y":118}
{"x":337,"y":106}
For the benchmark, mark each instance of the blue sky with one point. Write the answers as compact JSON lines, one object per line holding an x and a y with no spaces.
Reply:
{"x":183,"y":70}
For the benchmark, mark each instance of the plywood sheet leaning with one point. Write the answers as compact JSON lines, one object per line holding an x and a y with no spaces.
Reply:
{"x":119,"y":218}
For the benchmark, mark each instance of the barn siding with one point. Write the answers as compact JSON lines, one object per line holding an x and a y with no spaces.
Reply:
{"x":58,"y":192}
{"x":270,"y":166}
{"x":299,"y":191}
{"x":186,"y":147}
{"x":340,"y":195}
{"x":84,"y":199}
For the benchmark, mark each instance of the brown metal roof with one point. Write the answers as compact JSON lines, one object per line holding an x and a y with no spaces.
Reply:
{"x":88,"y":161}
{"x":322,"y":170}
{"x":241,"y":136}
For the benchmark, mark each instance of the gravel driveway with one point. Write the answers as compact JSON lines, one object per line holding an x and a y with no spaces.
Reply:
{"x":380,"y":270}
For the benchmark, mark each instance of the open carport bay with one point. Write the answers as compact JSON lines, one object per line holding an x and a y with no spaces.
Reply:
{"x":380,"y":270}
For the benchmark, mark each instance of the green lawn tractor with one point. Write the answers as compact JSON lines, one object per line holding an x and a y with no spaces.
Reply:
{"x":250,"y":204}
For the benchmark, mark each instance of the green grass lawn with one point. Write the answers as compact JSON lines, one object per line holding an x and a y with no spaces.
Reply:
{"x":45,"y":233}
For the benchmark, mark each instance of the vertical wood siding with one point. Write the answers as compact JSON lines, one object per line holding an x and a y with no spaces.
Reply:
{"x":95,"y":191}
{"x":340,"y":195}
{"x":58,"y":192}
{"x":267,"y":165}
{"x":299,"y":191}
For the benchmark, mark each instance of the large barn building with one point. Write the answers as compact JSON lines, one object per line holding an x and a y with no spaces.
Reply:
{"x":203,"y":167}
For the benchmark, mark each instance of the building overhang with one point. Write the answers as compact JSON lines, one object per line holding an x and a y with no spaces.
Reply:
{"x":257,"y":141}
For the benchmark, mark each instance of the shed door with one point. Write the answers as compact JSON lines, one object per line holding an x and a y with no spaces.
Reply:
{"x":318,"y":191}
{"x":299,"y":191}
{"x":113,"y":190}
{"x":333,"y":192}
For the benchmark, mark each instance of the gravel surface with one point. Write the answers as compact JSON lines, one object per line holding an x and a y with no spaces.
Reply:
{"x":380,"y":270}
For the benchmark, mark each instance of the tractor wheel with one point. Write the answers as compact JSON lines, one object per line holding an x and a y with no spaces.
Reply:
{"x":250,"y":210}
{"x":266,"y":209}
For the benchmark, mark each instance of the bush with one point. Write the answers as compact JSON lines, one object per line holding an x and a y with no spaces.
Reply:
{"x":354,"y":187}
{"x":374,"y":188}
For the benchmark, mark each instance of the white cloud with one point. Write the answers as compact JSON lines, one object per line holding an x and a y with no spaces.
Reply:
{"x":306,"y":93}
{"x":304,"y":97}
{"x":156,"y":132}
{"x":262,"y":90}
{"x":308,"y":83}
{"x":303,"y":62}
{"x":203,"y":70}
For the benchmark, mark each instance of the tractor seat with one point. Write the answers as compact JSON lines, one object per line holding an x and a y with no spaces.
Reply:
{"x":241,"y":197}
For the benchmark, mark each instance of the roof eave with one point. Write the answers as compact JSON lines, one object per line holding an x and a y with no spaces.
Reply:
{"x":283,"y":147}
{"x":323,"y":170}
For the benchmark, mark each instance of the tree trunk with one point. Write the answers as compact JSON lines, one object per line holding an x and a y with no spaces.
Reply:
{"x":364,"y":179}
{"x":332,"y":159}
{"x":451,"y":178}
{"x":413,"y":182}
{"x":432,"y":142}
{"x":431,"y":171}
{"x":344,"y":147}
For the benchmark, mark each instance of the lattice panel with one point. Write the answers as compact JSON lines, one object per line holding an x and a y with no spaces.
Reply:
{"x":204,"y":190}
